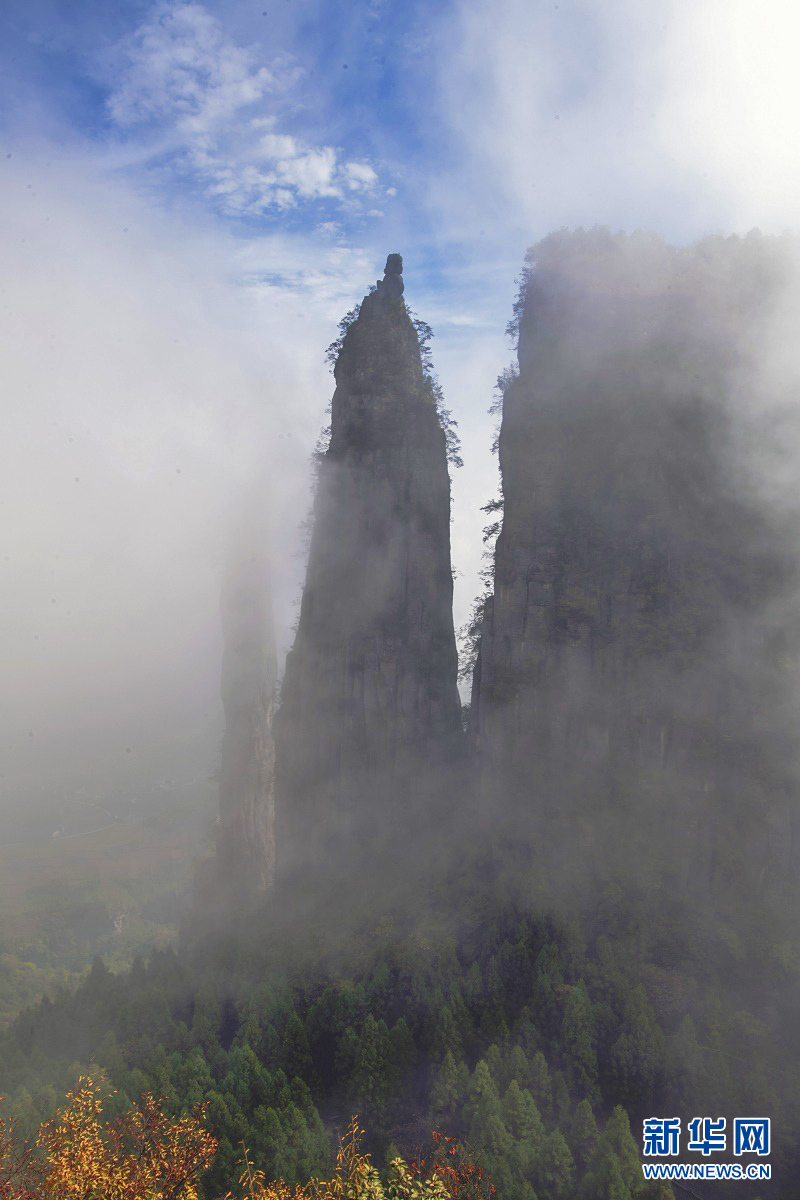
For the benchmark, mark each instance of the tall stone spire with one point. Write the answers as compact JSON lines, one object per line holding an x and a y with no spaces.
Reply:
{"x":624,"y":676}
{"x":246,"y":837}
{"x":369,"y":700}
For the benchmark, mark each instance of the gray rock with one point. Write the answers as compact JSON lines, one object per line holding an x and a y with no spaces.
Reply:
{"x":246,"y":833}
{"x":617,"y":711}
{"x":392,"y":286}
{"x":369,"y":700}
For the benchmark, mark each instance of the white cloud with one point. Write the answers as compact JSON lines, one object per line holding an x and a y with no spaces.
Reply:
{"x":312,"y":174}
{"x":181,"y":66}
{"x":730,"y":102}
{"x":181,"y":75}
{"x":359,"y":176}
{"x":275,"y":145}
{"x":670,"y":115}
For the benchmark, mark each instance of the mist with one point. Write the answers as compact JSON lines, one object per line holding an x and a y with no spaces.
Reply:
{"x":146,"y":390}
{"x":533,"y":903}
{"x":150,"y":332}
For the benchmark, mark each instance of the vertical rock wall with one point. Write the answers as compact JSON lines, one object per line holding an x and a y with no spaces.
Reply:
{"x":629,"y":703}
{"x":246,"y":836}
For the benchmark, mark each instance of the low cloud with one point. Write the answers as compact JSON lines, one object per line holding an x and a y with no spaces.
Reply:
{"x":153,"y":368}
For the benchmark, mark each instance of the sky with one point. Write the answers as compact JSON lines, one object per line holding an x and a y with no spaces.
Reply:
{"x":191,"y":197}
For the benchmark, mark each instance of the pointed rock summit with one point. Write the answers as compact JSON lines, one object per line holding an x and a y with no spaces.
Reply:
{"x":392,"y":286}
{"x":369,"y":700}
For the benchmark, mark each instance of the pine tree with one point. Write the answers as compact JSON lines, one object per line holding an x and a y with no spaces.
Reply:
{"x":578,"y":1040}
{"x":295,"y":1049}
{"x":554,"y":1168}
{"x":449,"y":1093}
{"x":541,"y":1086}
{"x":371,"y":1081}
{"x":583,"y":1135}
{"x":615,"y":1166}
{"x":524,"y":1123}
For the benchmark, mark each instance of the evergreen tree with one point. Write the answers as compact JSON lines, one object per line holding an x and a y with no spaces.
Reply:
{"x":295,"y":1049}
{"x":372,"y":1080}
{"x":523,"y":1121}
{"x":541,"y":1086}
{"x":449,"y":1093}
{"x":583,"y":1135}
{"x":579,"y":1042}
{"x":554,"y":1168}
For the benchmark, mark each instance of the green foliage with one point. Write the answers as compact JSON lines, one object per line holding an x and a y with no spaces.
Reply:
{"x":335,"y":348}
{"x":578,"y":1039}
{"x":523,"y":283}
{"x":522,"y":1044}
{"x":446,"y":419}
{"x":583,"y":1135}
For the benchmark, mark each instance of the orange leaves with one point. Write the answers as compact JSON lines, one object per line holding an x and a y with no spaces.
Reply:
{"x":142,"y":1155}
{"x":450,"y":1165}
{"x":146,"y":1155}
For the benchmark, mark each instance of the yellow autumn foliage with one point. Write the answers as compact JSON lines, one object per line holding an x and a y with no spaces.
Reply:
{"x":146,"y":1155}
{"x":143,"y":1155}
{"x":354,"y":1178}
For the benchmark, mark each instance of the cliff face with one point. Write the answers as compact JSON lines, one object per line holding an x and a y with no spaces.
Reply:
{"x":629,"y":698}
{"x":246,"y":835}
{"x":369,"y":699}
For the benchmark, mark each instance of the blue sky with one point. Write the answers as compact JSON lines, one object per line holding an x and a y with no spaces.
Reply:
{"x":437,"y":123}
{"x":298,"y":114}
{"x":194,"y":193}
{"x":458,"y":131}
